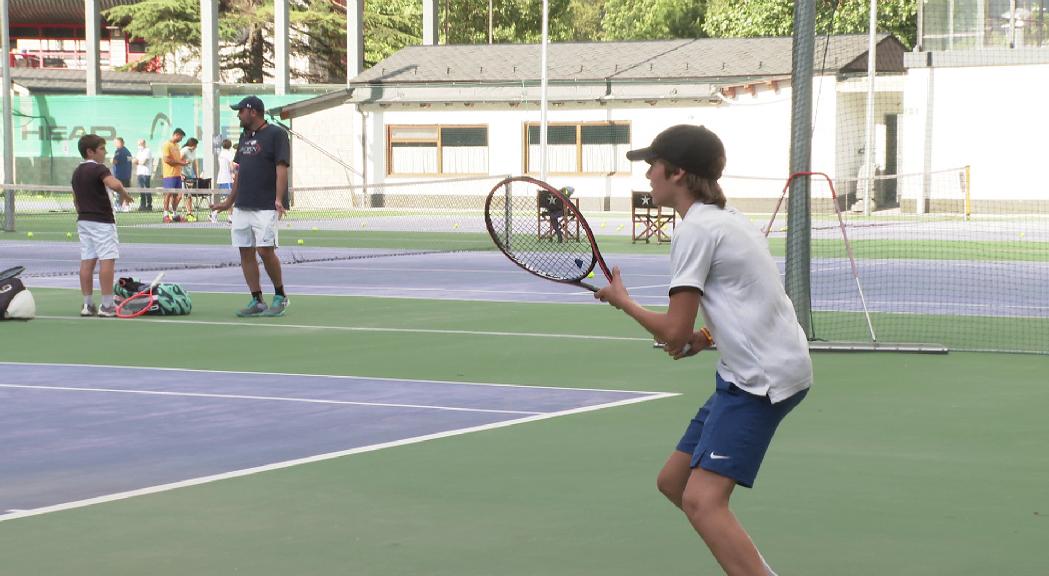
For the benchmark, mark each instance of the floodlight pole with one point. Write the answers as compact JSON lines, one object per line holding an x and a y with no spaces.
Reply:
{"x":542,"y":91}
{"x":9,"y":137}
{"x":209,"y":91}
{"x":872,"y":57}
{"x":92,"y":24}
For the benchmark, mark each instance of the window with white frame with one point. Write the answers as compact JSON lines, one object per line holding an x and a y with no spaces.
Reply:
{"x":582,"y":148}
{"x":432,"y":150}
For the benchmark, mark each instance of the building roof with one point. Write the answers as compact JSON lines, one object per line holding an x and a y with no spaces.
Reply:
{"x":57,"y":81}
{"x":54,"y":11}
{"x":702,"y":59}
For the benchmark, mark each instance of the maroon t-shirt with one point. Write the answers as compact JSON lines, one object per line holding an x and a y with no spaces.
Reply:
{"x":90,"y":195}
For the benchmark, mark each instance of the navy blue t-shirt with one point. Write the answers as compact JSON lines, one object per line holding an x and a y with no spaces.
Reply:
{"x":258,"y":154}
{"x":122,"y":164}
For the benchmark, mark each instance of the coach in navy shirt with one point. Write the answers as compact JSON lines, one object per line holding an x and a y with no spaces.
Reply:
{"x":258,"y":198}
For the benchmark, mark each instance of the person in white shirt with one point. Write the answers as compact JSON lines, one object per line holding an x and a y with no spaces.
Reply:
{"x":224,"y":174}
{"x":189,"y":175}
{"x":143,"y":161}
{"x":721,"y":268}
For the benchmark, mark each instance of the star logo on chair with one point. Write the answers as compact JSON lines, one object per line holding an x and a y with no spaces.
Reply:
{"x":645,"y":200}
{"x":551,"y":200}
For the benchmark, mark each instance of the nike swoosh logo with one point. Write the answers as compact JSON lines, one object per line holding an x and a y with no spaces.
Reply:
{"x":716,"y":456}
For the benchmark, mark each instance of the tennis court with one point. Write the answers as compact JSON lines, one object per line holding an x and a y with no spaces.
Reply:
{"x":445,"y":413}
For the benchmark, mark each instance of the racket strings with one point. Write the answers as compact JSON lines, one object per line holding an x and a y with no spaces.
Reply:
{"x":532,"y":237}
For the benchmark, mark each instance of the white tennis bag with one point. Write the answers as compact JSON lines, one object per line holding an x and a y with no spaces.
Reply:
{"x":16,"y":302}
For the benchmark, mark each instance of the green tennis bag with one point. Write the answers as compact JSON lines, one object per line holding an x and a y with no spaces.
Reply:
{"x":171,"y":299}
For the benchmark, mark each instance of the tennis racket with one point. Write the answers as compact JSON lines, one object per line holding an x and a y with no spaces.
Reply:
{"x":517,"y":214}
{"x":13,"y":272}
{"x":139,"y":303}
{"x":520,"y":216}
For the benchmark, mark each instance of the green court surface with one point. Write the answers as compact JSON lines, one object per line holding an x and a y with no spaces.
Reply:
{"x":895,"y":464}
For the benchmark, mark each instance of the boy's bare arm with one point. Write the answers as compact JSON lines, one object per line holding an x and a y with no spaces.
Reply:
{"x":117,"y":186}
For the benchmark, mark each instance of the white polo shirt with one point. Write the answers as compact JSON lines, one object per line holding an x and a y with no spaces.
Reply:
{"x":763,"y":348}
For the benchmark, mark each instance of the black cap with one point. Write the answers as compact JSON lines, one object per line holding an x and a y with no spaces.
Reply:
{"x":692,"y":148}
{"x":252,"y":102}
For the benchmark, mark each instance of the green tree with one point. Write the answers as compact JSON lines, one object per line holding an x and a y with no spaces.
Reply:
{"x":586,"y":17}
{"x":652,"y":19}
{"x":748,"y":18}
{"x":171,"y":28}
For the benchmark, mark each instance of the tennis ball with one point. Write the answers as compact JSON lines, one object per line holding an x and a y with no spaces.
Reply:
{"x":590,"y":275}
{"x":1021,"y":234}
{"x":69,"y":234}
{"x":602,"y":224}
{"x":29,"y":234}
{"x":456,"y":225}
{"x":315,"y":228}
{"x":301,"y":241}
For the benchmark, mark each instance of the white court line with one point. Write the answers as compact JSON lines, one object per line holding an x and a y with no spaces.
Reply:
{"x":328,"y":376}
{"x":251,"y":325}
{"x":50,"y":283}
{"x":13,"y":515}
{"x":357,"y":265}
{"x":267,"y":398}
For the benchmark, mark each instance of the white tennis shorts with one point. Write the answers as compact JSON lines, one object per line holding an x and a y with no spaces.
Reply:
{"x":98,"y":240}
{"x":252,"y":228}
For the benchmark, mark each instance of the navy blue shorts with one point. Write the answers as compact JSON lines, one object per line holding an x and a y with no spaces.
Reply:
{"x":732,"y":431}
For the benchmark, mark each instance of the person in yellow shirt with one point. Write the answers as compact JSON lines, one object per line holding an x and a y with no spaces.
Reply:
{"x":172,"y":163}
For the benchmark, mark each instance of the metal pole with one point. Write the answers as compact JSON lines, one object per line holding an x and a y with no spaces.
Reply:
{"x":542,"y":92}
{"x":430,"y":23}
{"x":355,"y":38}
{"x":209,"y":77}
{"x":798,"y":223}
{"x":281,"y":82}
{"x":9,"y":137}
{"x":868,"y":156}
{"x":92,"y":23}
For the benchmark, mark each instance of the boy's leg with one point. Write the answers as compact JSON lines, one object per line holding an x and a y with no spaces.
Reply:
{"x":105,"y":277}
{"x":705,"y":503}
{"x":674,"y":476}
{"x":87,"y":276}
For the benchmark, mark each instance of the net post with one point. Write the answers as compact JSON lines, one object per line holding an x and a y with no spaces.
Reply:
{"x":798,"y":221}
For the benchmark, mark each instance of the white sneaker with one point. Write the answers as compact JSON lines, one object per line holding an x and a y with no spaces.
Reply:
{"x":214,"y":217}
{"x":89,"y":310}
{"x":107,"y":311}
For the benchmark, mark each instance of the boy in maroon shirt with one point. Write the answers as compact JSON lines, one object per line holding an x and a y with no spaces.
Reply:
{"x":95,"y":223}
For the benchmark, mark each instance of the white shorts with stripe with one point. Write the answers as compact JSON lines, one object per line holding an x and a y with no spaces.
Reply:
{"x":253,"y":228}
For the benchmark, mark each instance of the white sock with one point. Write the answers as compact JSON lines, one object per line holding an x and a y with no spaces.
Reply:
{"x":89,"y":300}
{"x":107,"y":301}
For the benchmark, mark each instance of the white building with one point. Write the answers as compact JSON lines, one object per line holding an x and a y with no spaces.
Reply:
{"x":431,"y":112}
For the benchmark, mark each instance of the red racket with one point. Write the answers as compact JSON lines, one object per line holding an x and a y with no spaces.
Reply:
{"x":141,"y":302}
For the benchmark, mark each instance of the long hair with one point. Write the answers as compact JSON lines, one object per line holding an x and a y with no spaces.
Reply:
{"x":705,"y":190}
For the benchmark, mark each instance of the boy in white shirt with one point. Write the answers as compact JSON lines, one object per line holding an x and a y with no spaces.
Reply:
{"x":722,"y":268}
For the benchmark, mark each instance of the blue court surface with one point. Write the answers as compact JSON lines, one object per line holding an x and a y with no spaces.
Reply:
{"x":904,"y":286}
{"x":77,"y":434}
